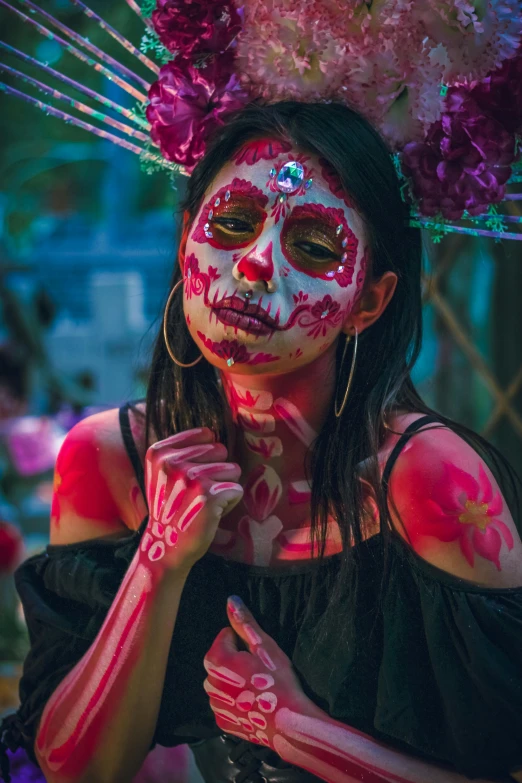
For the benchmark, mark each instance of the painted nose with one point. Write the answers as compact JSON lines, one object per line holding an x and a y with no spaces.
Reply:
{"x":256,"y":265}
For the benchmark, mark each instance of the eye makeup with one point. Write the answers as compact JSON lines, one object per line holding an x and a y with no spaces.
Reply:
{"x":316,"y":240}
{"x":233,"y":217}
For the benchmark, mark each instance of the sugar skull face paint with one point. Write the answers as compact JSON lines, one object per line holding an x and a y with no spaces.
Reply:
{"x":274,"y":261}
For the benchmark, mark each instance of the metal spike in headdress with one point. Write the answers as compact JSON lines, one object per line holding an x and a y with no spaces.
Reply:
{"x":440,"y":79}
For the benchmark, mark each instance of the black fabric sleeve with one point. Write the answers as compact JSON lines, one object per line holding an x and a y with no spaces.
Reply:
{"x":65,"y":592}
{"x":450,"y":683}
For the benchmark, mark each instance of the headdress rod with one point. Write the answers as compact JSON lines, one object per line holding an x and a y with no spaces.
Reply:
{"x":77,"y":86}
{"x":139,"y":96}
{"x":97,"y":115}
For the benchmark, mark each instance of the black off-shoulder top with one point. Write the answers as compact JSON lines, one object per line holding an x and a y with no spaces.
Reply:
{"x":435,"y":669}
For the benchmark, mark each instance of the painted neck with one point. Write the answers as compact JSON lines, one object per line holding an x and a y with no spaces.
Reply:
{"x":276,"y":417}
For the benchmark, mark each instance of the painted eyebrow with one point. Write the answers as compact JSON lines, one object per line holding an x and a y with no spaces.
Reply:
{"x":319,"y":212}
{"x":239,"y":187}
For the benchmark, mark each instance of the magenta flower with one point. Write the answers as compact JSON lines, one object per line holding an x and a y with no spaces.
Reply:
{"x":464,"y":162}
{"x":500,"y":94}
{"x":187,"y":104}
{"x":467,"y":510}
{"x":194,"y":27}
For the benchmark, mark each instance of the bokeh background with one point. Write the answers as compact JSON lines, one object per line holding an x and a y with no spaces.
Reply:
{"x":87,"y":244}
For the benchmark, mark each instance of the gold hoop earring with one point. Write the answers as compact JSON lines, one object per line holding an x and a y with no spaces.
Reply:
{"x":352,"y":370}
{"x":165,"y":315}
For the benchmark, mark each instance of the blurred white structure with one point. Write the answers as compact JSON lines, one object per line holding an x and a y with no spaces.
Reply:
{"x":113,"y":345}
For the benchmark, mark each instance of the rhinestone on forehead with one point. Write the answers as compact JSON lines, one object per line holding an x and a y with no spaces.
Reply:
{"x":290,"y":177}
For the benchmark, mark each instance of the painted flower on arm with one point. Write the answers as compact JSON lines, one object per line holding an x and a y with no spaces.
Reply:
{"x":468,"y":510}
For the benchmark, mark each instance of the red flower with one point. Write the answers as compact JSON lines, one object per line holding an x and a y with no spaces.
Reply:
{"x":467,"y":510}
{"x":11,"y":547}
{"x":464,"y":162}
{"x":187,"y":104}
{"x":196,"y":26}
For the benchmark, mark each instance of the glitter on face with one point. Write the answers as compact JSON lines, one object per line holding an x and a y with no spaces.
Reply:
{"x":272,"y":173}
{"x":291,"y":176}
{"x":230,"y":362}
{"x":308,"y":183}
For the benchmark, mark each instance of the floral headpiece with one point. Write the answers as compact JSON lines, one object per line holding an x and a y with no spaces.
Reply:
{"x":440,"y":79}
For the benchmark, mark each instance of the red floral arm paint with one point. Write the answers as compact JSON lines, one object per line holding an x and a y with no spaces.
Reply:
{"x":256,"y":696}
{"x":447,"y":505}
{"x":99,"y":722}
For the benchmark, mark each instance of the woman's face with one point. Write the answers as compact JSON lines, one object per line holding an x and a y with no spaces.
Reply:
{"x":275,"y":241}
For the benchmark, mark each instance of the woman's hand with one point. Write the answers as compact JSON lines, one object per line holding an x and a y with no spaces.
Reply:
{"x":248,"y":688}
{"x":189,"y":487}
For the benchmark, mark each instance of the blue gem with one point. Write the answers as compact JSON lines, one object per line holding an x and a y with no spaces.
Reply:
{"x":291,"y":176}
{"x":227,"y":195}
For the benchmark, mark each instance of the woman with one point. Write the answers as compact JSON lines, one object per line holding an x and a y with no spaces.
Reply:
{"x":382,"y":572}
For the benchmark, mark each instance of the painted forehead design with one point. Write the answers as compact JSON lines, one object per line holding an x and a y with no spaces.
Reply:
{"x":289,"y":173}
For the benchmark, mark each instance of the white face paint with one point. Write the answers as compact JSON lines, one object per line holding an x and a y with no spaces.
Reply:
{"x":300,"y":255}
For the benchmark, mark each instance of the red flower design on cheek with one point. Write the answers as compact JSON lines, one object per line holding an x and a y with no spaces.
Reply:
{"x":466,"y":510}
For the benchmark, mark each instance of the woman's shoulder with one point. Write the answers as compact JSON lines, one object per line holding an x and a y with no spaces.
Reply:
{"x":447,"y":506}
{"x":96,"y":491}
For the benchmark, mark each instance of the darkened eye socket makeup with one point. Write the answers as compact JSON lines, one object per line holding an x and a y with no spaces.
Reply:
{"x":233,"y":217}
{"x":237,"y":222}
{"x":311,"y":241}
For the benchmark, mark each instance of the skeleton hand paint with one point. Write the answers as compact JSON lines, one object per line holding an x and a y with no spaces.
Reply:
{"x":273,"y":265}
{"x":256,"y":696}
{"x":188,"y":492}
{"x":247,"y":689}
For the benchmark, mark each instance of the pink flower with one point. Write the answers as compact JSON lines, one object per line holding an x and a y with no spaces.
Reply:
{"x":196,"y":26}
{"x":226,"y":349}
{"x":323,"y":315}
{"x":466,"y":510}
{"x":464,"y":162}
{"x":187,"y":104}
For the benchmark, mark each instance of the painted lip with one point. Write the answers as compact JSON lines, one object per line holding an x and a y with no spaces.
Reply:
{"x":247,"y":316}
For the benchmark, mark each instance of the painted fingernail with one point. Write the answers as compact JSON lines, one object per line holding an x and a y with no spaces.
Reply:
{"x":236,"y":608}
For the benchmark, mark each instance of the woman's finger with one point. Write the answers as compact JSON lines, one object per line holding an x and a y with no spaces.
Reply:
{"x":258,"y":642}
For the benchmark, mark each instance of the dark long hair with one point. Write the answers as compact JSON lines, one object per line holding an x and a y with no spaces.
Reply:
{"x":180,"y":399}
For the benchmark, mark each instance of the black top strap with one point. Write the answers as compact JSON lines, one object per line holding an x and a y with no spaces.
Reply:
{"x":406,"y":435}
{"x":130,"y":445}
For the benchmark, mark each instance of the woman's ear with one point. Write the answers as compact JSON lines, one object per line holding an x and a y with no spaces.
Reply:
{"x":372,"y":303}
{"x":185,"y":230}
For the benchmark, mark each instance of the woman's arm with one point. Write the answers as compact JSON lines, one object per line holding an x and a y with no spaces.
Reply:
{"x":99,"y":723}
{"x":256,"y":696}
